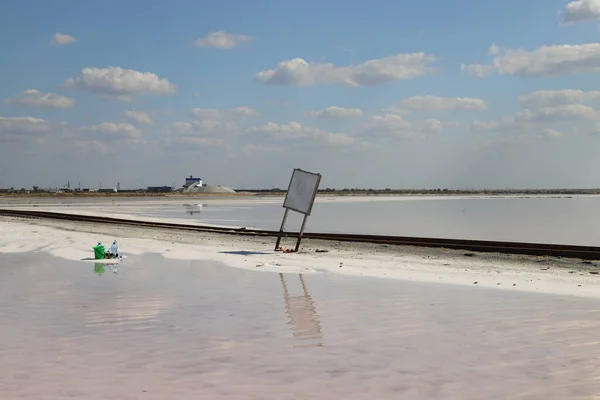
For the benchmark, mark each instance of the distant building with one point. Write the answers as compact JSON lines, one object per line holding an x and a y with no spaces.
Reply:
{"x":107,"y":190}
{"x":159,"y":189}
{"x":192,"y":181}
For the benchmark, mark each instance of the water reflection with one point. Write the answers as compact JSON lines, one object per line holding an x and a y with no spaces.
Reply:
{"x":302,"y":315}
{"x":135,"y":310}
{"x":199,"y":330}
{"x":100,"y":268}
{"x":193,"y":208}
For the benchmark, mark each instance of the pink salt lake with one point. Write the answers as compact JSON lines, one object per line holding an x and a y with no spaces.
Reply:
{"x":160,"y":329}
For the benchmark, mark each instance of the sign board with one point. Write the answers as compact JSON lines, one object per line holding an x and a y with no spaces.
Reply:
{"x":300,"y":197}
{"x":302,"y":191}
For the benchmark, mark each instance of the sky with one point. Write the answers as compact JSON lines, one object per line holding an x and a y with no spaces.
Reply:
{"x":379,"y":94}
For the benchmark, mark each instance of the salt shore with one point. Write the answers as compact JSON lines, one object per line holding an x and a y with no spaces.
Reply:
{"x":66,"y":201}
{"x":74,"y":240}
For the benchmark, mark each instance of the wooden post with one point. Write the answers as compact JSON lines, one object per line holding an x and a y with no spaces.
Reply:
{"x":301,"y":233}
{"x":281,"y":229}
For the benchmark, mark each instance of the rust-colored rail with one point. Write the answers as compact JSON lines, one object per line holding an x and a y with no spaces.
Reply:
{"x":537,"y":249}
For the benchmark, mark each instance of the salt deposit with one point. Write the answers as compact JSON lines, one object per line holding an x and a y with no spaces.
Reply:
{"x":73,"y":241}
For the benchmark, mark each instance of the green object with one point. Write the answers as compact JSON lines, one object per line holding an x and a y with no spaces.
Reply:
{"x":99,"y":268}
{"x":99,"y":252}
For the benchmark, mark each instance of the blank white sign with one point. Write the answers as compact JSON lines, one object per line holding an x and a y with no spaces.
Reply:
{"x":302,"y":191}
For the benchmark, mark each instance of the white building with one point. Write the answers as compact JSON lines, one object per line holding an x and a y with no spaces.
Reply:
{"x":192,"y":181}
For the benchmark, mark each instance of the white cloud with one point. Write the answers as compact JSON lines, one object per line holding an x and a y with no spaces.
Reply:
{"x":212,"y":121}
{"x":94,"y":146}
{"x":204,"y":127}
{"x":23,"y":125}
{"x":396,"y":109}
{"x":552,"y":132}
{"x":545,"y":61}
{"x":113,"y":129}
{"x":581,"y":11}
{"x":568,"y":112}
{"x":529,"y":119}
{"x":222,"y":40}
{"x":478,"y":70}
{"x":386,"y":124}
{"x":35,"y":98}
{"x":296,"y":132}
{"x":548,"y":98}
{"x":370,"y":73}
{"x":139,"y":116}
{"x":491,"y":125}
{"x":182,"y":127}
{"x":62,"y":39}
{"x":252,"y":149}
{"x":548,"y":113}
{"x":494,"y":50}
{"x":232,"y":114}
{"x":437,"y":126}
{"x":433,"y":126}
{"x":116,"y":83}
{"x":437,"y":104}
{"x":393,"y":125}
{"x":202,"y":142}
{"x":335,"y":112}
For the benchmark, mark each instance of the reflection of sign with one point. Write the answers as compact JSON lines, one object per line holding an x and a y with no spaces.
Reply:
{"x":302,"y":191}
{"x":303,"y":315}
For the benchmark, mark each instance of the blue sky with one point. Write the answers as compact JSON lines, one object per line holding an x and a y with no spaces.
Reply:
{"x":371,"y":94}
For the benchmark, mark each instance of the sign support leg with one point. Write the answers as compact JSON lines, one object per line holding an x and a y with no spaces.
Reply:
{"x":301,"y":233}
{"x":281,"y":229}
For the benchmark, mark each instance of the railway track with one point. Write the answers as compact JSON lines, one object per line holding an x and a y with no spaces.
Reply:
{"x":536,"y":249}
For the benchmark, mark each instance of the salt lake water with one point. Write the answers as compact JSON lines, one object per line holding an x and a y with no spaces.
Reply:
{"x":551,"y":219}
{"x":563,"y":220}
{"x":165,"y":329}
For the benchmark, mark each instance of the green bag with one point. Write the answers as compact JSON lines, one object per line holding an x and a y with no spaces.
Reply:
{"x":99,"y":252}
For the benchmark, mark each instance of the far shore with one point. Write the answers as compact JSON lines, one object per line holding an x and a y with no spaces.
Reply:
{"x":322,"y":193}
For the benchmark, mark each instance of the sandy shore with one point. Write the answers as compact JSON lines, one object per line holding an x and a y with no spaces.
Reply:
{"x":74,"y":241}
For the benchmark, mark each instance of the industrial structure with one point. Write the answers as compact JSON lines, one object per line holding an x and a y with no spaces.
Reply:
{"x":192,"y":181}
{"x":159,"y":189}
{"x":192,"y":185}
{"x":195,"y":185}
{"x":109,"y":189}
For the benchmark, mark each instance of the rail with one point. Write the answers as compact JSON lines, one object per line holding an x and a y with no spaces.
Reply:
{"x":536,"y":249}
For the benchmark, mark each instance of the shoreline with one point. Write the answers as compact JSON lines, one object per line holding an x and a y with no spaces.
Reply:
{"x":500,"y":193}
{"x":29,"y":201}
{"x":74,"y":241}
